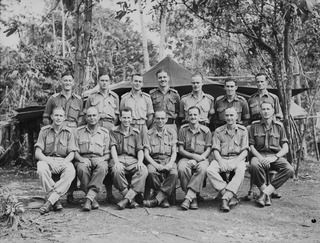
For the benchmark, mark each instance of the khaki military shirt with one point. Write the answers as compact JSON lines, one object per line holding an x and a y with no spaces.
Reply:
{"x":72,"y":106}
{"x":255,"y":101}
{"x":93,"y":143}
{"x":230,"y":142}
{"x":54,"y":144}
{"x":168,"y":102}
{"x":264,"y":139}
{"x":126,"y":144}
{"x":140,"y":104}
{"x":205,"y":103}
{"x":239,"y":103}
{"x":160,"y":143}
{"x":107,"y":105}
{"x":195,"y":141}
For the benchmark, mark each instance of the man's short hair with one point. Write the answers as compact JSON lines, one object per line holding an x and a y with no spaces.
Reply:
{"x":67,"y":73}
{"x":160,"y":111}
{"x":231,"y":80}
{"x":93,"y":107}
{"x":197,"y":74}
{"x":103,"y":71}
{"x":161,"y":70}
{"x":232,"y":109}
{"x":194,"y":107}
{"x":58,"y":108}
{"x":267,"y":102}
{"x":261,"y":74}
{"x":125,"y":109}
{"x":136,"y":74}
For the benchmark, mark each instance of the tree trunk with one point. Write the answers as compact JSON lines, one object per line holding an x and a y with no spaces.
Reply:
{"x":63,"y":37}
{"x":163,"y":26}
{"x":78,"y":68}
{"x":144,"y":39}
{"x":54,"y":33}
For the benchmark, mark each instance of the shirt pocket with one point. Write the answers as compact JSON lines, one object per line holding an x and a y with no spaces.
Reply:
{"x":84,"y":146}
{"x":224,"y":148}
{"x":62,"y":147}
{"x":98,"y":147}
{"x":274,"y":139}
{"x":49,"y":144}
{"x":74,"y":110}
{"x":204,"y":106}
{"x":200,"y":147}
{"x":155,"y":147}
{"x":171,"y":104}
{"x":259,"y":138}
{"x":131,"y":148}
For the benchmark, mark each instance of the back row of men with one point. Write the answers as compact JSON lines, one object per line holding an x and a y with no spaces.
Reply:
{"x":150,"y":155}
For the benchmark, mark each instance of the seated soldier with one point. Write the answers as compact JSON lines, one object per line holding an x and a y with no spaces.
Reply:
{"x":194,"y":146}
{"x":91,"y":161}
{"x":230,"y":145}
{"x":127,"y":156}
{"x":54,"y":151}
{"x":269,"y":145}
{"x":161,"y":153}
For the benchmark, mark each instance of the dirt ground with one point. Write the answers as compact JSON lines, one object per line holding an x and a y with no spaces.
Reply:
{"x":293,"y":218}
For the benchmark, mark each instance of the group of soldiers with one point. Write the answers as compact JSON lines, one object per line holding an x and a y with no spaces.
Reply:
{"x":152,"y":140}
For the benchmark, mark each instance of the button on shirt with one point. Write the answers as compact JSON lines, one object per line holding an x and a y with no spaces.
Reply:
{"x":106,"y":104}
{"x":126,"y":144}
{"x":160,"y":143}
{"x":239,"y":103}
{"x":255,"y":101}
{"x":230,"y":142}
{"x":56,"y":144}
{"x":168,"y":102}
{"x":140,"y":104}
{"x":267,"y":139}
{"x":195,"y":141}
{"x":93,"y":143}
{"x":72,"y":106}
{"x":205,"y":102}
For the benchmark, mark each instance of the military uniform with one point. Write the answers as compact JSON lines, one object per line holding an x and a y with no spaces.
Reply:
{"x":160,"y":149}
{"x":56,"y":146}
{"x":191,"y":172}
{"x":256,"y":100}
{"x":230,"y":144}
{"x":127,"y":147}
{"x":93,"y":145}
{"x":107,"y":106}
{"x":268,"y":141}
{"x":168,"y":102}
{"x":205,"y":103}
{"x":72,"y":107}
{"x":239,"y":103}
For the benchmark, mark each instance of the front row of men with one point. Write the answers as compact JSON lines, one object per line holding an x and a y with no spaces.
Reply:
{"x":90,"y":147}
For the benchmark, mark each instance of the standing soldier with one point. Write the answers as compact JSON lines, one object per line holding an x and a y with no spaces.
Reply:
{"x":194,"y":146}
{"x":72,"y":105}
{"x":127,"y":158}
{"x":69,"y":101}
{"x":231,"y":99}
{"x":197,"y":98}
{"x":107,"y":104}
{"x":55,"y":151}
{"x":165,"y":98}
{"x":230,"y":147}
{"x":161,"y":153}
{"x":262,"y":95}
{"x":269,"y":145}
{"x":140,"y":104}
{"x":92,"y":159}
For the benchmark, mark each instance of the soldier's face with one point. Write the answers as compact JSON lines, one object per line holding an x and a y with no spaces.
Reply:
{"x":261,"y":82}
{"x":230,"y":116}
{"x":58,"y":117}
{"x":126,"y":118}
{"x":160,"y":119}
{"x":267,"y":110}
{"x":197,"y":83}
{"x":137,"y":82}
{"x":163,"y":79}
{"x":67,"y":82}
{"x":92,"y":116}
{"x":104,"y":82}
{"x":230,"y":88}
{"x":193,"y":116}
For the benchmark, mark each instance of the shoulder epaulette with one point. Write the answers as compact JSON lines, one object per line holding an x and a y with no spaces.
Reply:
{"x":114,"y":94}
{"x":184,"y":125}
{"x":136,"y":130}
{"x":209,"y":96}
{"x":150,"y":131}
{"x":152,"y":91}
{"x":46,"y":127}
{"x":273,"y":95}
{"x":55,"y":95}
{"x":242,"y":127}
{"x":173,"y":90}
{"x":278,"y":123}
{"x":219,"y":129}
{"x":81,"y":127}
{"x":145,"y":94}
{"x":77,"y":96}
{"x":67,"y":129}
{"x":253,"y":95}
{"x":204,"y":128}
{"x":171,"y":130}
{"x":184,"y":96}
{"x":255,"y":122}
{"x":241,"y":97}
{"x":124,"y":95}
{"x":104,"y":129}
{"x":219,"y":98}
